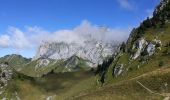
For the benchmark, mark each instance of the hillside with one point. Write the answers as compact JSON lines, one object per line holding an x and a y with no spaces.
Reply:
{"x":40,"y":67}
{"x":140,"y":69}
{"x":18,"y":86}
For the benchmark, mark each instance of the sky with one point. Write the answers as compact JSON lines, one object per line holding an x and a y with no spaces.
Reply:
{"x":24,"y":24}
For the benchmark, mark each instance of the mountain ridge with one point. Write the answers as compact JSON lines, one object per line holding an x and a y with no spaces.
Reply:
{"x":91,"y":50}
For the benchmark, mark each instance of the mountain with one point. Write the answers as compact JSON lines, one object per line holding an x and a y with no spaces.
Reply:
{"x":14,"y":59}
{"x":68,"y":57}
{"x":62,"y":57}
{"x":90,"y":50}
{"x":40,"y":67}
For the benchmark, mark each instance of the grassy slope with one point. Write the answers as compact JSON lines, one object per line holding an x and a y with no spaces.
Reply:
{"x":15,"y":60}
{"x":131,"y":90}
{"x":61,"y":86}
{"x":58,"y":66}
{"x":28,"y":67}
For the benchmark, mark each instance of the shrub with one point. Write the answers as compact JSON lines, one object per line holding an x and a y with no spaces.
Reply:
{"x":144,"y":53}
{"x":158,"y":45}
{"x":161,"y":63}
{"x":1,"y":83}
{"x":123,"y":47}
{"x":92,"y":69}
{"x":166,"y":51}
{"x":130,"y":69}
{"x":6,"y":63}
{"x":167,"y":44}
{"x":13,"y":86}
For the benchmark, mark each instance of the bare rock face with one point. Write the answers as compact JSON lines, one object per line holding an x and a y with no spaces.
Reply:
{"x":118,"y":70}
{"x":142,"y":45}
{"x":156,"y":44}
{"x":5,"y":75}
{"x":91,"y":50}
{"x":139,"y":46}
{"x":150,"y":49}
{"x":42,"y":63}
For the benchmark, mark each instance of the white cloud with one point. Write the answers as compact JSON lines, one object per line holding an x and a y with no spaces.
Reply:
{"x":125,"y":4}
{"x":32,"y":37}
{"x":4,"y":40}
{"x":18,"y":39}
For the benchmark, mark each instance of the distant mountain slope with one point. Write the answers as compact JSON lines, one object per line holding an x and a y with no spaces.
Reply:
{"x":63,"y":57}
{"x":14,"y":59}
{"x":90,"y":50}
{"x":40,"y":67}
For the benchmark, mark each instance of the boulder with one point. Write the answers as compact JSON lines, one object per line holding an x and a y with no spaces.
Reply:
{"x":5,"y":75}
{"x":42,"y":63}
{"x":151,"y":49}
{"x":118,"y":70}
{"x":139,"y":46}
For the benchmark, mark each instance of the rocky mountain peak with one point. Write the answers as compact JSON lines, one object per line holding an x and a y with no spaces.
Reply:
{"x":91,"y":50}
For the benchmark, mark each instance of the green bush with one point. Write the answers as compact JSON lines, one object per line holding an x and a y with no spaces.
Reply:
{"x":13,"y":87}
{"x":123,"y":47}
{"x":130,"y":69}
{"x":166,"y":51}
{"x":161,"y":63}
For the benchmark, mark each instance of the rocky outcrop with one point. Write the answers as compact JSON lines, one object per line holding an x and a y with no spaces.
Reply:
{"x":75,"y":63}
{"x":139,"y":46}
{"x":142,"y":46}
{"x":150,"y":49}
{"x":42,"y":63}
{"x":5,"y":75}
{"x":118,"y":70}
{"x":152,"y":46}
